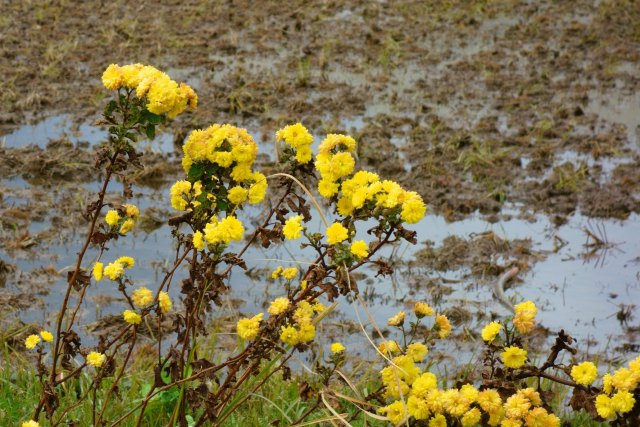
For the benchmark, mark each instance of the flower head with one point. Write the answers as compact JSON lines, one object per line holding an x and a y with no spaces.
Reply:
{"x":514,"y":357}
{"x":422,"y":309}
{"x":30,"y":423}
{"x":131,"y":317}
{"x":525,"y":317}
{"x":278,"y":306}
{"x":248,"y":328}
{"x":164,"y":302}
{"x":585,"y":373}
{"x":360,"y":249}
{"x":336,"y":233}
{"x":490,"y":331}
{"x":337,"y":347}
{"x":293,"y":227}
{"x":443,"y":326}
{"x":46,"y":336}
{"x":31,"y":342}
{"x":112,"y":217}
{"x":142,"y":297}
{"x":98,"y":270}
{"x":95,"y":359}
{"x":397,"y":319}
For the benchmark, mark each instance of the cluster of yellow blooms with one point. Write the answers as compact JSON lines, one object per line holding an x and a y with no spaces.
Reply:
{"x":228,"y":154}
{"x":122,"y":223}
{"x":299,"y":139}
{"x":164,"y":96}
{"x":113,"y":270}
{"x":33,"y":340}
{"x":624,"y":382}
{"x":301,"y":330}
{"x":288,"y":273}
{"x":336,"y":163}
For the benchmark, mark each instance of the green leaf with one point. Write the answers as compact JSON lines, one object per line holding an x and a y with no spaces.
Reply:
{"x":196,"y":172}
{"x":111,"y":106}
{"x":152,"y":118}
{"x":151,"y":131}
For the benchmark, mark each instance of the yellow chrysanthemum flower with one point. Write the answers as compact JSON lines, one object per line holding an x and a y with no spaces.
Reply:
{"x":422,"y":309}
{"x":443,"y":326}
{"x":126,"y":226}
{"x":125,"y":261}
{"x":490,"y":331}
{"x":248,"y":328}
{"x":622,"y":402}
{"x":395,"y":412}
{"x":337,"y":347}
{"x":237,"y":195}
{"x":142,"y":297}
{"x":471,"y":417}
{"x":31,"y":342}
{"x":293,"y":227}
{"x":114,"y":270}
{"x":289,"y":335}
{"x":164,"y":302}
{"x":98,"y":270}
{"x":417,"y":351}
{"x":112,"y":77}
{"x":604,"y":407}
{"x":413,"y":209}
{"x":514,"y":357}
{"x":278,"y":306}
{"x":30,"y":423}
{"x":585,"y":373}
{"x":360,"y":249}
{"x":290,"y":273}
{"x":336,"y":233}
{"x":46,"y":336}
{"x":198,"y":240}
{"x":307,"y":332}
{"x":397,"y":319}
{"x":131,"y":317}
{"x":112,"y":217}
{"x":131,"y":211}
{"x":95,"y":359}
{"x":524,"y":319}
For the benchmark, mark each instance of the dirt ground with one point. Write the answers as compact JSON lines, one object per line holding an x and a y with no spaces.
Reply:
{"x":477,"y":105}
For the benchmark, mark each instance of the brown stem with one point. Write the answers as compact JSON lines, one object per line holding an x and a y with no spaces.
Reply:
{"x":115,"y":382}
{"x":76,"y":272}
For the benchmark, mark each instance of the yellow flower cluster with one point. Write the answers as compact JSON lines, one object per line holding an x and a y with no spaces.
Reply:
{"x":225,"y":231}
{"x":114,"y":270}
{"x":279,"y":306}
{"x":288,"y":273}
{"x":184,"y":194}
{"x":443,"y":326}
{"x":360,"y":249}
{"x":365,"y":188}
{"x":525,"y":317}
{"x":303,"y":330}
{"x":299,"y":139}
{"x":30,"y":423}
{"x":417,"y":395}
{"x":337,"y":233}
{"x":334,"y":162}
{"x":164,"y":96}
{"x":248,"y":328}
{"x":164,"y":302}
{"x":124,"y":223}
{"x":619,"y":389}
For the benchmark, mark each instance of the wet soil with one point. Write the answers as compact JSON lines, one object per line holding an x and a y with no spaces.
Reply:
{"x":494,"y":111}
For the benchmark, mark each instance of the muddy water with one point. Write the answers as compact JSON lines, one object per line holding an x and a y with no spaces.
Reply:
{"x":584,"y":275}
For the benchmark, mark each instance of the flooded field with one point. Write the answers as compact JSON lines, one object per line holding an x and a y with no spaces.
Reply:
{"x":518,"y":122}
